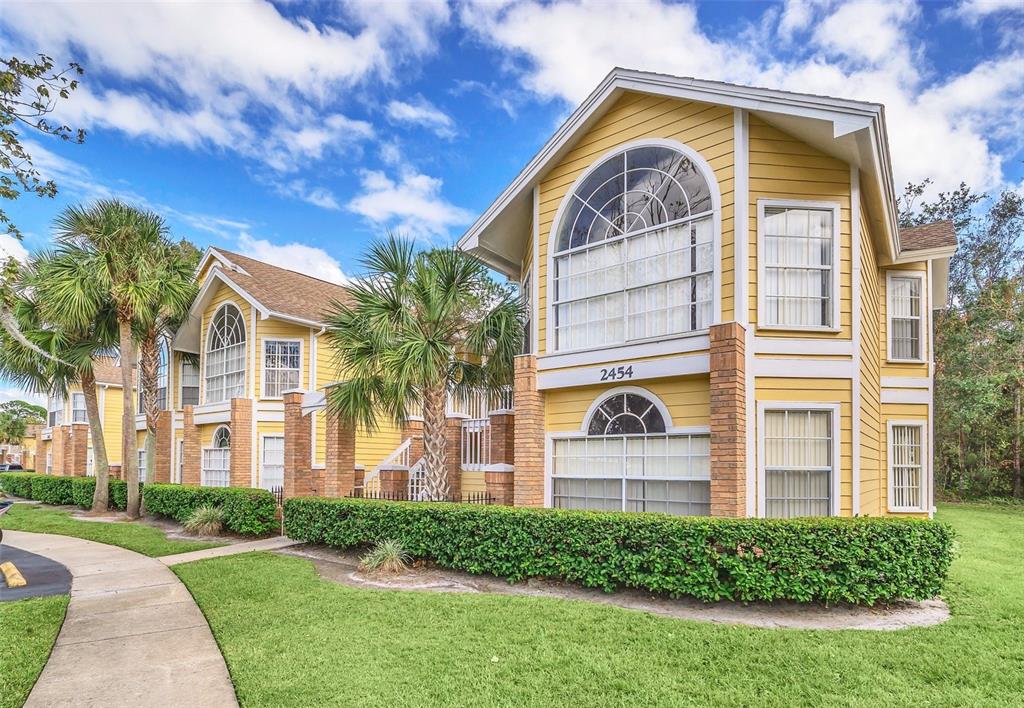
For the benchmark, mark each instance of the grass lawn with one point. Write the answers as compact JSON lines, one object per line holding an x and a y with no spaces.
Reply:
{"x":28,"y":629}
{"x":292,"y":639}
{"x":136,"y":537}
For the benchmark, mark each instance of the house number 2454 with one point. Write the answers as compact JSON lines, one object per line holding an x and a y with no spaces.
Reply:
{"x":617,"y":373}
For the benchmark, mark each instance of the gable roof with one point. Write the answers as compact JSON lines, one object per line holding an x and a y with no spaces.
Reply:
{"x":926,"y":237}
{"x":107,"y":370}
{"x":853,"y":131}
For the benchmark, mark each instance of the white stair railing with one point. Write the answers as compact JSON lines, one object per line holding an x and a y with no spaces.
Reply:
{"x":400,"y":456}
{"x":418,"y":481}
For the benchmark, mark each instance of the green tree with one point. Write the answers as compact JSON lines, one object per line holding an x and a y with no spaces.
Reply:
{"x":421,"y":326}
{"x":29,"y":412}
{"x":121,"y":244}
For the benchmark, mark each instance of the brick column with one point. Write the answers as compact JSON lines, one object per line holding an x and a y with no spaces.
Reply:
{"x":728,"y":420}
{"x":394,"y":482}
{"x":453,"y":456}
{"x":76,"y":450}
{"x":529,"y":434}
{"x":241,"y":442}
{"x":503,"y":438}
{"x":297,"y":447}
{"x":57,"y":450}
{"x":162,"y":451}
{"x":413,"y":429}
{"x":190,"y":468}
{"x":340,"y":467}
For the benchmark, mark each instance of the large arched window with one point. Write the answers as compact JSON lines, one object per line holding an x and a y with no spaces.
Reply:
{"x":633,"y":251}
{"x":225,"y":356}
{"x":630,"y":460}
{"x":217,"y":459}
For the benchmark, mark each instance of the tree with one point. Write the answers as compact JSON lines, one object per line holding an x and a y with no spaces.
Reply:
{"x":23,"y":410}
{"x":421,"y":326}
{"x":121,"y":244}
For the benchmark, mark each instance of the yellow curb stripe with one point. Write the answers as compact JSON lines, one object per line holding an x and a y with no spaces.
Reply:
{"x":12,"y":575}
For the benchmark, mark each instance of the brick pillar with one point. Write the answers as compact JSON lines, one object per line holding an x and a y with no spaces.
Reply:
{"x":413,"y":429}
{"x":241,"y":442}
{"x":340,"y":467}
{"x":76,"y":448}
{"x":503,"y":442}
{"x":190,"y":467}
{"x":57,"y":450}
{"x":529,"y":434}
{"x":115,"y":471}
{"x":728,"y":420}
{"x":453,"y":456}
{"x":297,"y":447}
{"x":394,"y":482}
{"x":162,"y":451}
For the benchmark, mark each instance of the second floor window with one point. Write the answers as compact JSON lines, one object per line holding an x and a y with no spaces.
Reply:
{"x":161,"y":380}
{"x":797,"y":250}
{"x":634,"y":251}
{"x":189,"y":384}
{"x":78,"y":412}
{"x":905,"y":318}
{"x":55,"y":411}
{"x":282,"y":366}
{"x":225,"y":356}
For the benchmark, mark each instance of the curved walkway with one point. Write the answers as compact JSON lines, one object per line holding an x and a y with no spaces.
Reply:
{"x":133,"y":635}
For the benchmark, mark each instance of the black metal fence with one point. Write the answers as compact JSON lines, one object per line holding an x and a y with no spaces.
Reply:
{"x":471,"y":498}
{"x":278,"y":493}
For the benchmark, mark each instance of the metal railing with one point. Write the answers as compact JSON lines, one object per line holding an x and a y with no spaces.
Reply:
{"x":471,"y":498}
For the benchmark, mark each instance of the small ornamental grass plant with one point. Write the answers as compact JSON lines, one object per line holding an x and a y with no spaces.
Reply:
{"x":205,"y":521}
{"x":387,"y":557}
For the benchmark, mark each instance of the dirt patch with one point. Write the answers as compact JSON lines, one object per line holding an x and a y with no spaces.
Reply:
{"x":170,"y":527}
{"x":343,"y":567}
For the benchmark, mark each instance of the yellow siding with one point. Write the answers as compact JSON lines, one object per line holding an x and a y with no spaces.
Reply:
{"x":372,"y":448}
{"x":112,"y":409}
{"x":782,"y":167}
{"x":687,"y":398}
{"x":819,"y":391}
{"x":901,"y":369}
{"x":279,"y":329}
{"x":705,"y":128}
{"x":872,"y":476}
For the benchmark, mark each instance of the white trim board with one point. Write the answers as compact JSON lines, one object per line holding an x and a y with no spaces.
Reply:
{"x":804,"y":368}
{"x":903,"y":395}
{"x":642,"y":370}
{"x":823,"y":347}
{"x":694,"y":342}
{"x":905,"y":382}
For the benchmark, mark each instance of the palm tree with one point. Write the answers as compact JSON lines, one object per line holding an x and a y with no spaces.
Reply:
{"x":165,"y":313}
{"x":121,"y":243}
{"x":421,"y":326}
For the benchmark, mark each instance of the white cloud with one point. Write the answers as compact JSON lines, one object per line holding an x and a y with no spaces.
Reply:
{"x":317,"y":196}
{"x":15,"y":394}
{"x":420,"y":111}
{"x":974,"y":10}
{"x":949,"y":130}
{"x":411,"y":204}
{"x":11,"y":247}
{"x":312,"y":261}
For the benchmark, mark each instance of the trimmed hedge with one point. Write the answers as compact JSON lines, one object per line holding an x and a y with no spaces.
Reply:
{"x":62,"y":490}
{"x":117,"y":492}
{"x":251,"y":512}
{"x":18,"y":484}
{"x":862,"y":560}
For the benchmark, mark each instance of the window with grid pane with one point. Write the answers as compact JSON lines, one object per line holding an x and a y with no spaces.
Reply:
{"x":55,"y":411}
{"x":216,"y":470}
{"x":905,"y":318}
{"x":225,"y":356}
{"x":161,"y":380}
{"x":272,"y":462}
{"x":905,"y":467}
{"x":282,"y":361}
{"x":142,"y":464}
{"x":628,"y":462}
{"x":798,"y":463}
{"x":634,"y":251}
{"x":78,"y":412}
{"x":798,"y":270}
{"x":189,"y":384}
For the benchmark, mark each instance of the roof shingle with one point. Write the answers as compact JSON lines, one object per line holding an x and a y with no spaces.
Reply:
{"x":937,"y":234}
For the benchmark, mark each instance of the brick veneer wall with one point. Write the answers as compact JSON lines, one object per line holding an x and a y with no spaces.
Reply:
{"x":394,"y":482}
{"x":191,"y":465}
{"x":413,"y":429}
{"x":297,"y":447}
{"x":503,"y":438}
{"x":728,"y":420}
{"x":340,"y":467}
{"x":162,"y":459}
{"x":57,"y":443}
{"x":241,"y":442}
{"x":453,"y":456}
{"x":76,"y":450}
{"x":529,"y":434}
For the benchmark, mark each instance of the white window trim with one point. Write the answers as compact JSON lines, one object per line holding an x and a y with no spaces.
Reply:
{"x":263,"y":364}
{"x":925,"y":466}
{"x":202,"y":456}
{"x":837,"y":461}
{"x":263,"y":437}
{"x":75,"y":409}
{"x":763,"y":204}
{"x":716,"y":244}
{"x":911,"y":274}
{"x":528,"y":279}
{"x":181,"y":383}
{"x":204,"y":346}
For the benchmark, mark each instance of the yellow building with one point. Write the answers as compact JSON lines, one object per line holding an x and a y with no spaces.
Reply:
{"x":725,"y":317}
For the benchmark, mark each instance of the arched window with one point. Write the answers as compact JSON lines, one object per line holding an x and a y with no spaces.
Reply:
{"x":217,"y":459}
{"x":630,"y":460}
{"x":634,"y":251}
{"x":225,"y":356}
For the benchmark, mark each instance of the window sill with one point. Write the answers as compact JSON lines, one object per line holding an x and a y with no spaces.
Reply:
{"x":798,"y":328}
{"x":905,"y":361}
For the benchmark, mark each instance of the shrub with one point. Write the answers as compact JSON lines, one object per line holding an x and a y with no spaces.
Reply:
{"x":18,"y":484}
{"x":52,"y":490}
{"x":83,"y":489}
{"x":251,"y":512}
{"x":386,"y":557}
{"x":863,"y":560}
{"x":205,"y":521}
{"x":62,"y":490}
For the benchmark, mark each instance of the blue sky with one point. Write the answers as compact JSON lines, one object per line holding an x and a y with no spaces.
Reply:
{"x":296,"y":132}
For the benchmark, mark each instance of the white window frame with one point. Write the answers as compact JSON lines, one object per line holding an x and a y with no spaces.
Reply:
{"x":837,"y":460}
{"x":141,"y":461}
{"x":637,"y":345}
{"x":263,"y":438}
{"x":181,"y":460}
{"x":90,"y":463}
{"x":202,"y":458}
{"x":922,"y":329}
{"x":263,"y":364}
{"x":834,"y":207}
{"x":924,"y":493}
{"x":55,"y":416}
{"x":526,"y":292}
{"x":49,"y":462}
{"x":203,"y":363}
{"x":181,"y":383}
{"x":75,"y":409}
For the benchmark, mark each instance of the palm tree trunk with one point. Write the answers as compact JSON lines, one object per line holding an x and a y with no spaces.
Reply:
{"x":100,"y":465}
{"x":149,"y":365}
{"x":434,"y":443}
{"x":129,"y":448}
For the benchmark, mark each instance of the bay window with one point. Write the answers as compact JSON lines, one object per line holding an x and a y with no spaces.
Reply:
{"x":906,"y":466}
{"x":634,"y":251}
{"x":798,"y":461}
{"x":282,"y":366}
{"x":225,"y":356}
{"x":905,"y":316}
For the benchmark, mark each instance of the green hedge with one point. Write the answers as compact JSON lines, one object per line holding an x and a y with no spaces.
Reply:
{"x":251,"y":512}
{"x":863,"y":560}
{"x":18,"y":484}
{"x":52,"y":490}
{"x":117,"y":492}
{"x":62,"y":490}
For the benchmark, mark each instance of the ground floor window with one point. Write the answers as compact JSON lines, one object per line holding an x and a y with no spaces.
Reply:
{"x":142,"y":463}
{"x":798,"y":462}
{"x":217,"y":460}
{"x":906,"y":466}
{"x":629,"y":460}
{"x":272,"y":462}
{"x":49,"y":463}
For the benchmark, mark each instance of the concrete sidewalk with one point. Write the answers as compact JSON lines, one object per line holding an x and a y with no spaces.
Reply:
{"x":275,"y":543}
{"x":133,"y":635}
